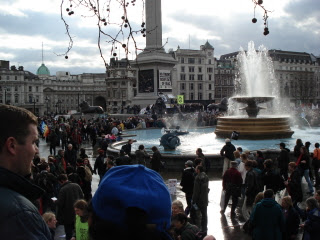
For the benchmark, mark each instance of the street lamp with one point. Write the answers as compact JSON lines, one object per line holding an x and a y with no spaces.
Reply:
{"x":34,"y":106}
{"x":57,"y":104}
{"x":47,"y":102}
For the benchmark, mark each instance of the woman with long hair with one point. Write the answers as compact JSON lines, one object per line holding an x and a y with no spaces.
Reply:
{"x":303,"y":163}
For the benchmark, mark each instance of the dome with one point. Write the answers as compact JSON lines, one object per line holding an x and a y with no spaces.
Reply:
{"x":43,"y":70}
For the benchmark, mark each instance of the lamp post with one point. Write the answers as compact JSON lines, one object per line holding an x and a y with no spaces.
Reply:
{"x":5,"y":95}
{"x":34,"y":106}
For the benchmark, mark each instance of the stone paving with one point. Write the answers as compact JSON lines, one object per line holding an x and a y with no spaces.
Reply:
{"x":221,"y":226}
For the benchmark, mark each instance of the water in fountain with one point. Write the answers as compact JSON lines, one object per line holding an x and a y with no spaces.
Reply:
{"x":256,"y":77}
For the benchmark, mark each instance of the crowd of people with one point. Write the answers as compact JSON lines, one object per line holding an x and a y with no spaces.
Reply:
{"x":132,"y":200}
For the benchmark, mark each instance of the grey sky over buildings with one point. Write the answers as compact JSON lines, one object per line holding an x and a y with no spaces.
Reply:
{"x":294,"y":25}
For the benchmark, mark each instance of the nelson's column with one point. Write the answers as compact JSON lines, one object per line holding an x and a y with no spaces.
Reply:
{"x":154,"y":66}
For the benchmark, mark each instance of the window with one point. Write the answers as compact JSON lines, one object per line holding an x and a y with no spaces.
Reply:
{"x":191,"y":60}
{"x":37,"y":99}
{"x":209,"y":70}
{"x":16,"y":88}
{"x":199,"y":61}
{"x":30,"y":98}
{"x":200,"y":69}
{"x":182,"y":77}
{"x":30,"y":88}
{"x":209,"y":86}
{"x":182,"y":68}
{"x":124,"y":95}
{"x":191,"y":77}
{"x":210,"y":96}
{"x":114,"y":83}
{"x":1,"y":99}
{"x":191,"y":96}
{"x":191,"y":86}
{"x":199,"y":76}
{"x":182,"y":60}
{"x":8,"y":77}
{"x":15,"y":78}
{"x":210,"y":77}
{"x":114,"y":93}
{"x":200,"y":86}
{"x":199,"y":96}
{"x":0,"y":77}
{"x":37,"y":89}
{"x":191,"y":69}
{"x":209,"y":61}
{"x":182,"y":86}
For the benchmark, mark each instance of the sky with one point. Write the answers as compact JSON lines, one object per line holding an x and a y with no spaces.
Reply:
{"x":294,"y":25}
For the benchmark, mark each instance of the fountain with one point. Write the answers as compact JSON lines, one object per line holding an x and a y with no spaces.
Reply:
{"x":257,"y":87}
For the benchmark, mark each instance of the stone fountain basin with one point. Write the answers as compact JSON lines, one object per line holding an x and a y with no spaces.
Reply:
{"x":257,"y":100}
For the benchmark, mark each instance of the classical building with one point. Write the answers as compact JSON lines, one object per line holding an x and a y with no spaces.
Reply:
{"x":193,"y":75}
{"x":224,"y":83}
{"x":20,"y":88}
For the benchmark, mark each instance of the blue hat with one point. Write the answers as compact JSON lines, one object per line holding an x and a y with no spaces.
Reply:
{"x":133,"y":186}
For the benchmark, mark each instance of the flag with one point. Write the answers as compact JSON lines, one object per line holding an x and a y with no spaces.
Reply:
{"x":44,"y":129}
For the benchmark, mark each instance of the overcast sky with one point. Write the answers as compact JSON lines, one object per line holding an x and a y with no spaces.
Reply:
{"x":294,"y":25}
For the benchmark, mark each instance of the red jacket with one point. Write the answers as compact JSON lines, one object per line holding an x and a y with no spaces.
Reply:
{"x":233,"y":176}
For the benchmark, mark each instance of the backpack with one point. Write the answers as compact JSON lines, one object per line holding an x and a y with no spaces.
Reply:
{"x":44,"y":182}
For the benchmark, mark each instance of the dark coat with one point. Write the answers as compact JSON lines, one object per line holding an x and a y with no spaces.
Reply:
{"x":188,"y":232}
{"x":201,"y":190}
{"x":70,"y":157}
{"x":123,"y":160}
{"x":19,"y":218}
{"x":68,"y":195}
{"x":267,"y":220}
{"x":232,"y":181}
{"x":292,"y":222}
{"x":127,"y":148}
{"x":99,"y":164}
{"x":283,"y":159}
{"x":156,"y":161}
{"x":252,"y":187}
{"x":141,"y":156}
{"x":312,"y":225}
{"x":272,"y":180}
{"x":227,"y":151}
{"x":296,"y":150}
{"x":294,"y":186}
{"x":187,"y":180}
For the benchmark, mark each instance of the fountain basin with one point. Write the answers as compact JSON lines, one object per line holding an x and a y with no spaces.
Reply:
{"x":254,"y":128}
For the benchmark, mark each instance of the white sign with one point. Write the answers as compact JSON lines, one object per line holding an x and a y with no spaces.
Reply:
{"x":172,"y":186}
{"x":165,"y":79}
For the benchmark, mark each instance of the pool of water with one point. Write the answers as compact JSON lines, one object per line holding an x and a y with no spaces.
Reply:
{"x":206,"y":139}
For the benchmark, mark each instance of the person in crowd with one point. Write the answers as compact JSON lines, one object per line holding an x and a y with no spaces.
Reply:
{"x":237,"y":158}
{"x":64,"y":139}
{"x":252,"y":189}
{"x":227,"y":153}
{"x":100,"y":165}
{"x":267,"y":218}
{"x":18,"y":147}
{"x":123,"y":159}
{"x":187,"y":181}
{"x":303,"y":163}
{"x":270,"y":178}
{"x":200,"y":198}
{"x":53,"y":139}
{"x":52,"y":165}
{"x":73,"y":176}
{"x":316,"y":163}
{"x":85,"y":171}
{"x":260,"y":160}
{"x":83,"y":154}
{"x":51,"y":221}
{"x":177,"y":207}
{"x":296,"y":150}
{"x":69,"y":193}
{"x":291,"y":219}
{"x":205,"y":162}
{"x":70,"y":156}
{"x":317,"y":196}
{"x":239,"y":149}
{"x":141,"y":155}
{"x":243,"y":172}
{"x":156,"y":159}
{"x":250,"y":155}
{"x":283,"y":160}
{"x":47,"y":181}
{"x":119,"y":211}
{"x":293,"y":184}
{"x":61,"y":164}
{"x":110,"y":164}
{"x":81,"y":223}
{"x":231,"y":184}
{"x":127,"y":147}
{"x":311,"y":227}
{"x":183,"y":228}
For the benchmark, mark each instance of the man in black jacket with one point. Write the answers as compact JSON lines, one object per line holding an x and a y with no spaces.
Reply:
{"x":70,"y":156}
{"x":19,"y":218}
{"x":227,"y":153}
{"x":283,"y":160}
{"x":100,"y":165}
{"x":187,"y":181}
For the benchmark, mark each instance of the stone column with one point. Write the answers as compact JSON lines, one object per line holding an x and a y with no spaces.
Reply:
{"x":153,"y":25}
